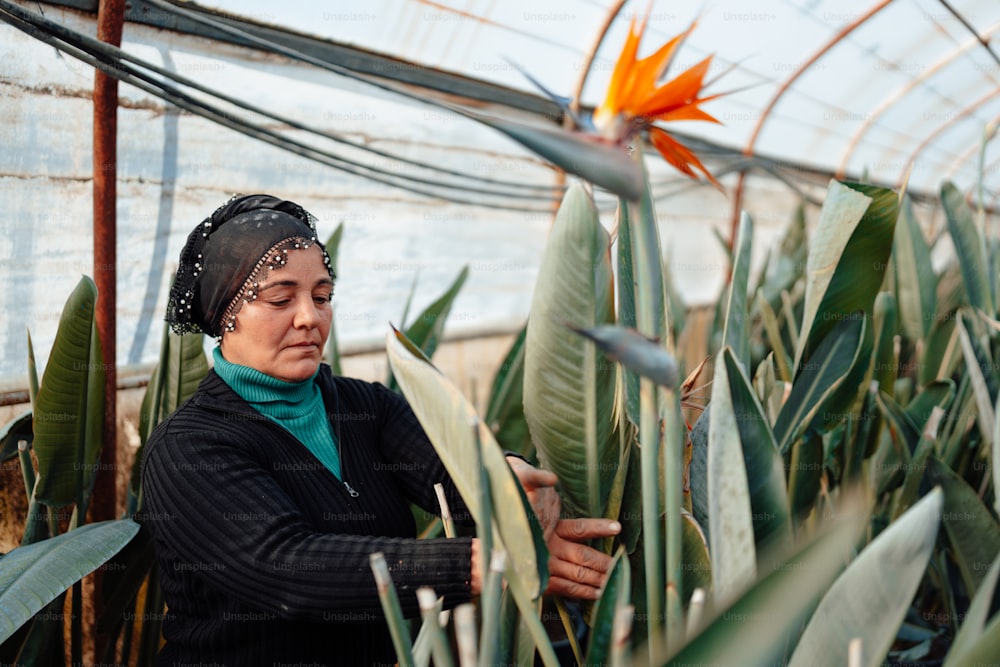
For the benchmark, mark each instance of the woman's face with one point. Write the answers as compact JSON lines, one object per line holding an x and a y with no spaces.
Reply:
{"x":283,"y":332}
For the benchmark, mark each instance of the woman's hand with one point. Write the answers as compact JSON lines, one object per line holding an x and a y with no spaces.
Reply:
{"x":575,"y":569}
{"x":539,"y":486}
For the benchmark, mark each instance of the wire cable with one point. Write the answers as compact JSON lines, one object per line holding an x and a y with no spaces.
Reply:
{"x":112,"y":61}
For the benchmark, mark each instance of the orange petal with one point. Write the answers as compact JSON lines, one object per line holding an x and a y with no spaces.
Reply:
{"x":648,"y":71}
{"x":677,"y":92}
{"x":681,"y":157}
{"x":687,"y":112}
{"x":621,"y":77}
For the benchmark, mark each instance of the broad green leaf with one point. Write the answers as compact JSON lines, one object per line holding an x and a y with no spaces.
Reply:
{"x":677,"y":309}
{"x":764,"y":467}
{"x":604,"y":164}
{"x":574,"y":287}
{"x":969,"y":246}
{"x":754,"y":629}
{"x":818,"y":380}
{"x":32,"y":372}
{"x":696,"y":559}
{"x":847,"y":259}
{"x":978,"y":637}
{"x":734,"y":562}
{"x":630,"y":514}
{"x":69,"y":408}
{"x":34,"y":575}
{"x":972,"y":530}
{"x":942,"y":352}
{"x":916,"y":282}
{"x":995,"y":460}
{"x":939,"y":393}
{"x":449,"y":419}
{"x":840,"y":215}
{"x":647,"y":263}
{"x":614,"y":595}
{"x":626,"y":287}
{"x":885,"y":364}
{"x":789,"y":263}
{"x":918,"y":464}
{"x":903,"y":427}
{"x":426,"y":330}
{"x":778,"y":352}
{"x":736,"y":332}
{"x":869,"y":600}
{"x":977,"y":365}
{"x":660,"y":463}
{"x":333,"y":245}
{"x":505,"y":409}
{"x":805,"y":469}
{"x":181,"y":368}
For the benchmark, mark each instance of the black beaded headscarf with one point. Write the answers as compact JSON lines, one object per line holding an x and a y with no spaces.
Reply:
{"x":228,"y":255}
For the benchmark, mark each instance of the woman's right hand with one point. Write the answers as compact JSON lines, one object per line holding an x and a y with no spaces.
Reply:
{"x":576,"y":569}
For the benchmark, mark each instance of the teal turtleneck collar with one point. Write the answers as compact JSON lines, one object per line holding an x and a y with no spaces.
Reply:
{"x":297,"y":406}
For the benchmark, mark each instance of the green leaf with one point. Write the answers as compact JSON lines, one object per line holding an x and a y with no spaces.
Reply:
{"x":804,"y":473}
{"x":942,"y":352}
{"x":34,"y":575}
{"x":790,"y":262}
{"x":818,"y":380}
{"x":734,"y":562}
{"x":626,"y":288}
{"x":505,"y":408}
{"x":939,"y":393}
{"x":869,"y":600}
{"x":755,"y":629}
{"x":916,"y":282}
{"x":604,"y":164}
{"x":574,"y":287}
{"x":764,"y":466}
{"x":181,"y":368}
{"x":69,"y":408}
{"x":847,"y":259}
{"x":735,"y":334}
{"x":995,"y":460}
{"x":975,"y":361}
{"x":885,"y":365}
{"x":969,"y":246}
{"x":32,"y":372}
{"x":978,"y":638}
{"x":449,"y":419}
{"x":427,"y":329}
{"x":696,"y":559}
{"x":972,"y":530}
{"x":613,"y":597}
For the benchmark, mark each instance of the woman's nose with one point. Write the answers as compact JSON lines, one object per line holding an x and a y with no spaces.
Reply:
{"x":306,"y":314}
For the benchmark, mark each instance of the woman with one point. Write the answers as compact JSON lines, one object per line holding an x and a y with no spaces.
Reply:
{"x":267,"y":491}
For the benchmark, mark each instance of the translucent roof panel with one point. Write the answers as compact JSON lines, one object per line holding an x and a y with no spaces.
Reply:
{"x":857,"y":87}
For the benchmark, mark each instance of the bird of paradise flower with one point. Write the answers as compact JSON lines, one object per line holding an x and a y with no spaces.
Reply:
{"x":634,"y":102}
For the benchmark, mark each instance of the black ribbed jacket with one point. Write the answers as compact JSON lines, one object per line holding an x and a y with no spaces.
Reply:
{"x":264,"y":555}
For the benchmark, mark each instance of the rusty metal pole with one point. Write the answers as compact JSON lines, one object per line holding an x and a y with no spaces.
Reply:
{"x":110,"y":17}
{"x":103,"y":505}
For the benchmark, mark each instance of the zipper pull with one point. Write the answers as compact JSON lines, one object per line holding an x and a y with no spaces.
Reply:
{"x":350,"y":490}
